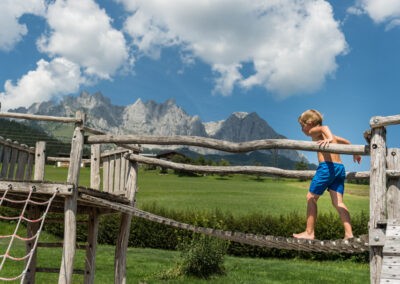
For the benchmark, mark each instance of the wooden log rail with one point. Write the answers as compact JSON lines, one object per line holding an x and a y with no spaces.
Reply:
{"x":134,"y":148}
{"x":40,"y":117}
{"x":229,"y":146}
{"x":307,"y":174}
{"x":380,"y":121}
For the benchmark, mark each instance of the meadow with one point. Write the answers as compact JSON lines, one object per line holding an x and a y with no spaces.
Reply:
{"x":239,"y":195}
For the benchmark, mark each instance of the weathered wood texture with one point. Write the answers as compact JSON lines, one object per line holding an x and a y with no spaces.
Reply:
{"x":32,"y":229}
{"x":393,"y":184}
{"x":40,"y":158}
{"x":16,"y":160}
{"x":64,"y":159}
{"x":380,"y":121}
{"x":41,"y":117}
{"x":229,"y":146}
{"x":70,"y":207}
{"x":123,"y":236}
{"x":377,"y":196}
{"x":114,"y":170}
{"x":34,"y":211}
{"x":391,"y":253}
{"x":134,"y":148}
{"x":93,"y":228}
{"x":39,"y":187}
{"x":307,"y":174}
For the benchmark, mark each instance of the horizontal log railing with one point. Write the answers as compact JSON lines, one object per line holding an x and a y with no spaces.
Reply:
{"x":40,"y":117}
{"x":379,"y":121}
{"x":229,"y":146}
{"x":307,"y":174}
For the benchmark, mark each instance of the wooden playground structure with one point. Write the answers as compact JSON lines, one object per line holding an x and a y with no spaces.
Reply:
{"x":22,"y":186}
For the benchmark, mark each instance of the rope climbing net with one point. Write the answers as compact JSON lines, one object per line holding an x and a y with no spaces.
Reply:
{"x":14,"y":236}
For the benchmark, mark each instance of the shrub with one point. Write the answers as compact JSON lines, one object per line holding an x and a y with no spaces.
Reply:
{"x":202,"y":256}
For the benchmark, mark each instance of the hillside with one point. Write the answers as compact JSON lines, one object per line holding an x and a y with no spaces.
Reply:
{"x":29,"y":134}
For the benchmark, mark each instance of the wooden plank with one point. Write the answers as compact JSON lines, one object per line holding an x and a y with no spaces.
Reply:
{"x":22,"y":162}
{"x":106,"y":166}
{"x":13,"y":161}
{"x":393,"y":191}
{"x":390,"y":270}
{"x":95,"y":166}
{"x":117,"y":173}
{"x":377,"y":196}
{"x":229,"y":146}
{"x":40,"y":159}
{"x":70,"y":207}
{"x":6,"y":161}
{"x":30,"y":165}
{"x":47,"y":188}
{"x":124,"y":229}
{"x":392,"y":244}
{"x":111,"y":170}
{"x":123,"y":173}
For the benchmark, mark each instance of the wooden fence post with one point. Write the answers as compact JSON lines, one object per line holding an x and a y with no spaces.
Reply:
{"x":33,"y":211}
{"x":393,"y":194}
{"x":70,"y":204}
{"x":123,"y":236}
{"x":93,"y":216}
{"x":377,"y":199}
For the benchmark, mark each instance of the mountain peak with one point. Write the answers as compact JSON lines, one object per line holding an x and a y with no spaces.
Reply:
{"x":240,"y":114}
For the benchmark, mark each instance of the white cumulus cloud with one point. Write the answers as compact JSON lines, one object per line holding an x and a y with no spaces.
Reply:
{"x":79,"y":47}
{"x":292,"y":44}
{"x":11,"y":30}
{"x":81,"y":32}
{"x":50,"y":79}
{"x":380,"y":11}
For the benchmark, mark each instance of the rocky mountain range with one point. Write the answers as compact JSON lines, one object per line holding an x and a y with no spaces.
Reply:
{"x":152,"y":118}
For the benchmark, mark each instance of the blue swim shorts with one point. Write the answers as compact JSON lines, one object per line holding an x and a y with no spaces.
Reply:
{"x":329,"y":176}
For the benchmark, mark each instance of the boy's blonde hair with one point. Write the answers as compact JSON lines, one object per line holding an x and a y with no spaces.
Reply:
{"x":311,"y":116}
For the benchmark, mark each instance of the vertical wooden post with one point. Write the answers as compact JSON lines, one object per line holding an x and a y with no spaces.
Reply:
{"x":93,"y":216}
{"x":95,"y":161}
{"x":123,"y":236}
{"x":377,"y":197}
{"x":70,"y":204}
{"x":393,"y":194}
{"x":33,"y":212}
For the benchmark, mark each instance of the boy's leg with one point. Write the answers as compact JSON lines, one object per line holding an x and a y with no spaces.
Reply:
{"x":337,"y":201}
{"x":312,"y":210}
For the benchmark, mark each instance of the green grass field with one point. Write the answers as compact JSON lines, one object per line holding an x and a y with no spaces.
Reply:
{"x":239,"y":195}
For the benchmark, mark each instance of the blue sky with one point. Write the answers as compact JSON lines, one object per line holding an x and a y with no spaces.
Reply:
{"x":277,"y":58}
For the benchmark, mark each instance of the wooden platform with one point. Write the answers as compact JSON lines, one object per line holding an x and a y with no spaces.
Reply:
{"x":391,"y":254}
{"x":87,"y":197}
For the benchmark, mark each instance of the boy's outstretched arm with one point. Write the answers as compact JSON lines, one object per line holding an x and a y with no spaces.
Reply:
{"x":341,"y":140}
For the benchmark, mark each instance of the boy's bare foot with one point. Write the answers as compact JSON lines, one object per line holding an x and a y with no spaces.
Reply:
{"x":304,"y":235}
